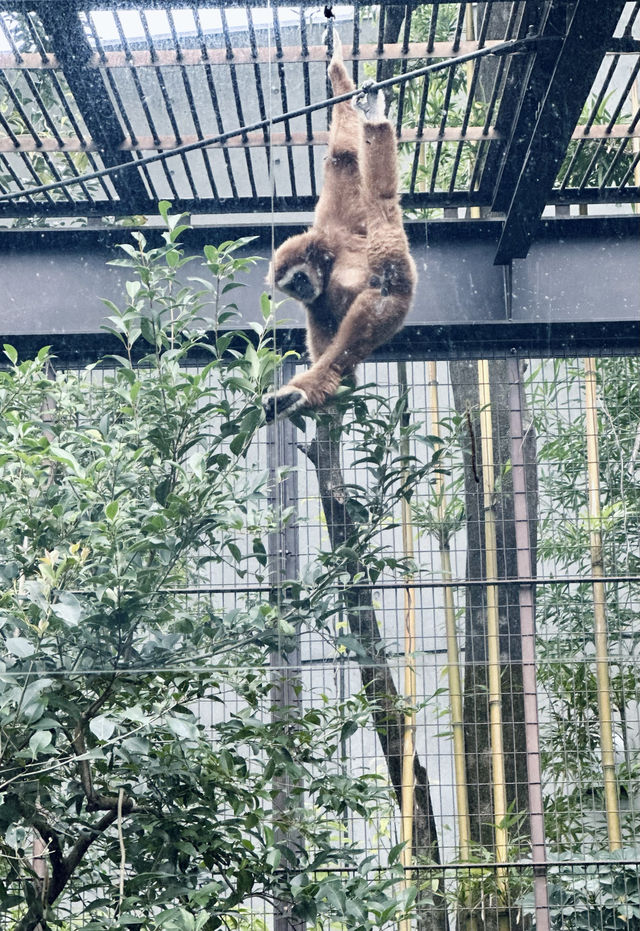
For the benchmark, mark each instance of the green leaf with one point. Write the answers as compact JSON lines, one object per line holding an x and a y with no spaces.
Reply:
{"x":20,"y":647}
{"x":39,"y":741}
{"x":68,"y":608}
{"x":182,"y":728}
{"x":10,"y":353}
{"x":111,"y":510}
{"x":102,"y":727}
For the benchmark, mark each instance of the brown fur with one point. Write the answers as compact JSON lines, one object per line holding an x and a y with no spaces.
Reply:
{"x":352,"y":270}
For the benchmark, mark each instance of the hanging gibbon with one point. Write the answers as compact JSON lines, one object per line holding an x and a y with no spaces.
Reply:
{"x":352,"y":270}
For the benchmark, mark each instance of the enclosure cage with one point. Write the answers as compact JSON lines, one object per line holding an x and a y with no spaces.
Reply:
{"x":449,"y":556}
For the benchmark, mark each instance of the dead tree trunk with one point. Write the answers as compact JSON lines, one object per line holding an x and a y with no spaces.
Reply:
{"x":377,"y":677}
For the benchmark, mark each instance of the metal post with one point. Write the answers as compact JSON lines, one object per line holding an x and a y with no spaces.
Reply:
{"x":283,"y":552}
{"x":526,"y":598}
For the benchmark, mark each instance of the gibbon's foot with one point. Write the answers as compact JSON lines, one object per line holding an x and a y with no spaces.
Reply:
{"x":370,"y":104}
{"x":284,"y":402}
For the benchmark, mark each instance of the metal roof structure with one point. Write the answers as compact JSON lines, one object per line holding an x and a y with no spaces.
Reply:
{"x":88,"y":84}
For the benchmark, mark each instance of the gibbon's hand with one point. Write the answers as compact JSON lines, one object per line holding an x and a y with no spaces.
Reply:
{"x":370,"y":104}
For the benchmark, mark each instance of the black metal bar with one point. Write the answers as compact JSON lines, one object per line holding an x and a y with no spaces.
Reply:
{"x":628,"y":173}
{"x":142,"y":99}
{"x":87,"y":86}
{"x":501,"y":49}
{"x":53,"y":129}
{"x":403,"y":67}
{"x":356,"y":39}
{"x":67,"y":108}
{"x":601,"y":95}
{"x":622,"y":145}
{"x":9,"y":131}
{"x":51,"y":165}
{"x":20,"y":110}
{"x":597,"y":149}
{"x":520,"y":107}
{"x":513,"y":76}
{"x":236,"y":97}
{"x":623,"y":96}
{"x":283,"y":97}
{"x":215,"y":102}
{"x":576,"y":66}
{"x":94,"y":164}
{"x":174,"y":34}
{"x":174,"y":123}
{"x":199,"y":31}
{"x":433,"y":24}
{"x":443,"y":123}
{"x":471,"y":93}
{"x":307,"y":99}
{"x":148,"y":36}
{"x":258,"y":78}
{"x":35,"y":38}
{"x":380,"y":46}
{"x":12,"y":45}
{"x":74,"y":170}
{"x":34,"y":174}
{"x":572,"y":161}
{"x":119,"y":104}
{"x":16,"y":180}
{"x":457,"y":35}
{"x":419,"y":130}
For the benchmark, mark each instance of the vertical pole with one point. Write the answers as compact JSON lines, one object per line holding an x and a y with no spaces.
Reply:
{"x":453,"y":659}
{"x":408,"y":739}
{"x":599,"y":609}
{"x":454,"y":674}
{"x":526,"y":597}
{"x":493,"y":636}
{"x":283,"y":564}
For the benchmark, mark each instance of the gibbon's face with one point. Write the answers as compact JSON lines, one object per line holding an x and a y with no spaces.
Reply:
{"x":301,"y":281}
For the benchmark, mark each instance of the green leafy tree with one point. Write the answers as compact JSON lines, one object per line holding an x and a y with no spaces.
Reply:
{"x":126,"y":489}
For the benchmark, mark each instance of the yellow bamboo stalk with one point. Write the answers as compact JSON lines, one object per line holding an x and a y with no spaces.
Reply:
{"x":493,"y":633}
{"x":408,"y":746}
{"x":453,"y":659}
{"x":599,"y":609}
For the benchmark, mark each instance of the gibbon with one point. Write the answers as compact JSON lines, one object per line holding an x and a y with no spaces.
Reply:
{"x":352,"y":270}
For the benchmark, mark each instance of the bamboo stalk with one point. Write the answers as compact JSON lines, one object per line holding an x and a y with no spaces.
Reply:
{"x":493,"y":637}
{"x":454,"y":675}
{"x":408,"y":744}
{"x":599,"y":609}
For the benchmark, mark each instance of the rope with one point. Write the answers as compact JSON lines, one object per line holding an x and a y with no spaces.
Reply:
{"x":504,"y":48}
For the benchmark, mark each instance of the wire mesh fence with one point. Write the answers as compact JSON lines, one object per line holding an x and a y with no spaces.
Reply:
{"x":506,"y":852}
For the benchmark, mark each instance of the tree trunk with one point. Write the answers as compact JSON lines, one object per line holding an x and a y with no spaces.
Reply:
{"x":377,"y":677}
{"x":464,"y":377}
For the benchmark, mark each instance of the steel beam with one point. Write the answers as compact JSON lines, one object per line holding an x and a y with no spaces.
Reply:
{"x":534,"y":170}
{"x":74,"y":53}
{"x":577,"y":291}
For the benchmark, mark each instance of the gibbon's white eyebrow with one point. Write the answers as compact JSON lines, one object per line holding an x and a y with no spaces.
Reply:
{"x":504,"y":48}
